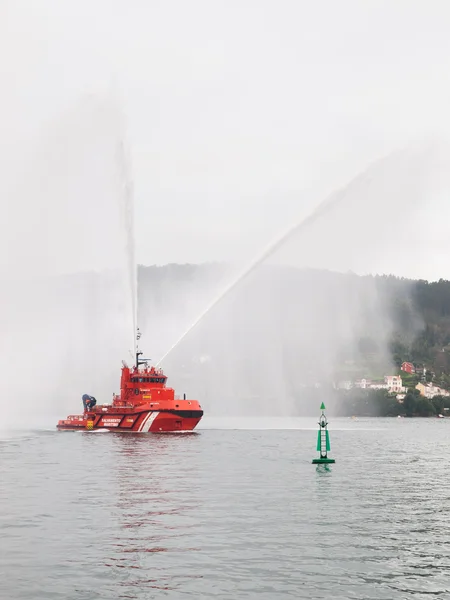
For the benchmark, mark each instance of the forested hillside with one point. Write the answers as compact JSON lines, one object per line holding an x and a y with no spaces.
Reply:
{"x":430,"y":346}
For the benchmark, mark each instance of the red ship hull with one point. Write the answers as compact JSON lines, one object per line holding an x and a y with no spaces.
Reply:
{"x":144,"y":405}
{"x":142,"y":421}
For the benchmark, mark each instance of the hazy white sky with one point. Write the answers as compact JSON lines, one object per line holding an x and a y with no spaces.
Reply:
{"x":234,"y":108}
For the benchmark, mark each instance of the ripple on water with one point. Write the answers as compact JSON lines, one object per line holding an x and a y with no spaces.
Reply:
{"x":226,"y":514}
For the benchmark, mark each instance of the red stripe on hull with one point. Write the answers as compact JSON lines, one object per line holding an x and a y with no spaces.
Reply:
{"x":145,"y":422}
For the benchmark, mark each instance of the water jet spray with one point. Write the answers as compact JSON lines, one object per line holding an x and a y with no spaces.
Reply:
{"x":127,"y":209}
{"x":327,"y":205}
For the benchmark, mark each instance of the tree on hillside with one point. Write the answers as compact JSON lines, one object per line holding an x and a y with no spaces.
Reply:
{"x":439,"y":404}
{"x":388,"y":406}
{"x":425,"y":407}
{"x":410,"y":402}
{"x":445,"y":381}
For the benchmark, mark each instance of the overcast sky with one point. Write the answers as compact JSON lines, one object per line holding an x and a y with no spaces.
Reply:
{"x":241,"y":113}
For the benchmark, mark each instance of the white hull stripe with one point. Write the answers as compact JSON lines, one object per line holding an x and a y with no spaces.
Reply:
{"x":147,"y":422}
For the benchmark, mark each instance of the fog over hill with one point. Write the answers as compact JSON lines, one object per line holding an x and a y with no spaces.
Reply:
{"x":284,"y":330}
{"x":294,"y":321}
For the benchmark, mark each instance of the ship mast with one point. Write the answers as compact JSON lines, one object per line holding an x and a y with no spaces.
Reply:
{"x":139,"y":361}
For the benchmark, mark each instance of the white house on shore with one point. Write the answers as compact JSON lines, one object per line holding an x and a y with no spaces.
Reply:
{"x":394,"y":383}
{"x":391,"y":383}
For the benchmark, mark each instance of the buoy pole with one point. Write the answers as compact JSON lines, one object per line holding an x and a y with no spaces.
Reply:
{"x":323,"y":441}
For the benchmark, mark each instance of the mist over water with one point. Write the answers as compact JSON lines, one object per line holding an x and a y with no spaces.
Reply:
{"x":69,"y":302}
{"x":281,"y":328}
{"x":335,"y":201}
{"x":278,"y":327}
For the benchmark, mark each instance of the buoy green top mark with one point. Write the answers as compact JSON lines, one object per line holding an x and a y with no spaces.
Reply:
{"x":323,"y":440}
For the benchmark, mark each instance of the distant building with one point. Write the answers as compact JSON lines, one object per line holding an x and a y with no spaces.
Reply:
{"x":363,"y":383}
{"x":421,"y":371}
{"x":428,"y":390}
{"x":408,"y":368}
{"x":379,"y":386}
{"x":394,"y":383}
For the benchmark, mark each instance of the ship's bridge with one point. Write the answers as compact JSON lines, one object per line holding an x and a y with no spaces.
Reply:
{"x":142,"y":373}
{"x":144,"y":378}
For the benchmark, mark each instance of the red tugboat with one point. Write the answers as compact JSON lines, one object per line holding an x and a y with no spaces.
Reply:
{"x":144,"y":405}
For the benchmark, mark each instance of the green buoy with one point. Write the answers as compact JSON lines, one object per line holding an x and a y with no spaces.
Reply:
{"x":323,"y":441}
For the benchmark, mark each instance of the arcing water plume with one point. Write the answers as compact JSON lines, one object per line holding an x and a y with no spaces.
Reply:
{"x":331,"y":203}
{"x":164,"y":311}
{"x":127,"y":206}
{"x":273,"y":246}
{"x":277,"y":331}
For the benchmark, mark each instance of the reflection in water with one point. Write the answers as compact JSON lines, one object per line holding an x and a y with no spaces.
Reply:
{"x":323,"y":469}
{"x":226,"y":515}
{"x":153,"y":518}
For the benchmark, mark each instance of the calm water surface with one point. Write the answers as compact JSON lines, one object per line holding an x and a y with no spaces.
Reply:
{"x":227,"y":513}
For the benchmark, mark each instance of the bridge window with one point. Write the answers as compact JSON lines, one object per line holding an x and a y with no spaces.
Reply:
{"x":148,"y":379}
